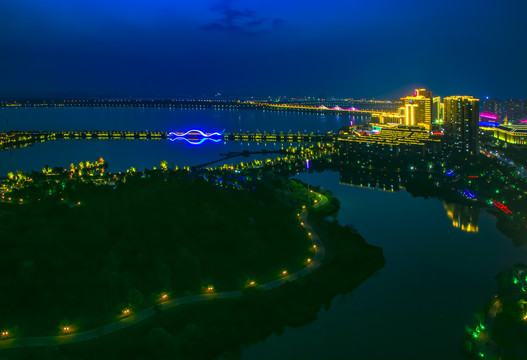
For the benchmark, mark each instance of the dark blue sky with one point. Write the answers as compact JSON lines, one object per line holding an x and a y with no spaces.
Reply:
{"x":374,"y":48}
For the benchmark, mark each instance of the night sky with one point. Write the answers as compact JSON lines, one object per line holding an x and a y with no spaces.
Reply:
{"x":166,"y":48}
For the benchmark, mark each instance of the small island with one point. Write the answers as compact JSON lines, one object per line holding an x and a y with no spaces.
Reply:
{"x":97,"y":248}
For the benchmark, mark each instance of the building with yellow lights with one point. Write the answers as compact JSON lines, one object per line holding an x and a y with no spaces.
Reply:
{"x":387,"y":117}
{"x":388,"y":134}
{"x":437,"y":109}
{"x":512,"y":134}
{"x":417,"y":109}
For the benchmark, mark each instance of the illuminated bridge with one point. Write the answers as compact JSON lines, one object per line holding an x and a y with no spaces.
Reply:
{"x":313,"y":109}
{"x":16,"y":139}
{"x":392,"y":136}
{"x":195,"y":137}
{"x":278,"y":137}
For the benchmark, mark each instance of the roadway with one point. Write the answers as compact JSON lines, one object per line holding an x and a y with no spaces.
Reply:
{"x":135,"y":318}
{"x":521,"y":170}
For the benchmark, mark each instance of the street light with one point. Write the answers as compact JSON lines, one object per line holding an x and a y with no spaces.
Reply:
{"x":67,"y":329}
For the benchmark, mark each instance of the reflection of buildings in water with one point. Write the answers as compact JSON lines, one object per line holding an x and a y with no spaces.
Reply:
{"x":462,"y":216}
{"x":370,"y":179}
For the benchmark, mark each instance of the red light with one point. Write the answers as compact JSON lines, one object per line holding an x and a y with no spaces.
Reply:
{"x":502,"y":207}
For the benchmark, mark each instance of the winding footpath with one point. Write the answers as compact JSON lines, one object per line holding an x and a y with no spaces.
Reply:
{"x":135,"y":318}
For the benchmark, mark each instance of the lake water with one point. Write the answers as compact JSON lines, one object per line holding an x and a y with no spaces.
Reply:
{"x":436,"y":276}
{"x":435,"y":279}
{"x":122,"y":154}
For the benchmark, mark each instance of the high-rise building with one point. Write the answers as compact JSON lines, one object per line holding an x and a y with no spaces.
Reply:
{"x":418,"y":108}
{"x":514,"y":110}
{"x":461,"y":125}
{"x":493,"y":106}
{"x":437,"y":109}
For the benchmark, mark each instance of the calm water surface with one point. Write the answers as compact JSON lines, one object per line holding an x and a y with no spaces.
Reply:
{"x":436,"y":276}
{"x":122,"y":154}
{"x":435,"y":279}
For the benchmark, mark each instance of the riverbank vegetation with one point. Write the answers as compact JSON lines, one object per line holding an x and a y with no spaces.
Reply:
{"x":501,"y":329}
{"x":86,"y":255}
{"x":224,"y":327}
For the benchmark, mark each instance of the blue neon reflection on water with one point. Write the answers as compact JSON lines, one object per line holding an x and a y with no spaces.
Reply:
{"x":195,"y":142}
{"x":173,"y":136}
{"x":178,"y":134}
{"x":469,"y":194}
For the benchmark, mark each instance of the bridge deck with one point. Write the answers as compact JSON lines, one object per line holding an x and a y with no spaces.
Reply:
{"x":20,"y":138}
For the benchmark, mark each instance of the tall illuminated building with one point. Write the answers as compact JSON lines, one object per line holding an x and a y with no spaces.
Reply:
{"x":418,"y":108}
{"x":461,"y":125}
{"x":493,"y":106}
{"x":437,"y":109}
{"x":514,"y":110}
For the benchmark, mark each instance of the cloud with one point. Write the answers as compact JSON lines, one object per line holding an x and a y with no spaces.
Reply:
{"x":243,"y":21}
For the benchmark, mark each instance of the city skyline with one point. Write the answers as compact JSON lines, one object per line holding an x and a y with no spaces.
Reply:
{"x":220,"y":179}
{"x":356,"y":50}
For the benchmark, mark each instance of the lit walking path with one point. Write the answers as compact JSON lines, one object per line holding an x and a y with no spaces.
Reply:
{"x":135,"y":318}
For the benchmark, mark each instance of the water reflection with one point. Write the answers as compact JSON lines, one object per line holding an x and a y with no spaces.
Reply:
{"x":370,"y":179}
{"x":449,"y":258}
{"x":463,"y":217}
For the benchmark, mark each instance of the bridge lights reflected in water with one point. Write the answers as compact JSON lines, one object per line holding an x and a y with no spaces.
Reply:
{"x":195,"y":136}
{"x":195,"y":142}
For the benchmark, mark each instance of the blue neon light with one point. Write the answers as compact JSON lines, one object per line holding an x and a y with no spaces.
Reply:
{"x":469,"y":194}
{"x":178,"y":134}
{"x":488,"y":124}
{"x":194,"y":142}
{"x":449,"y":173}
